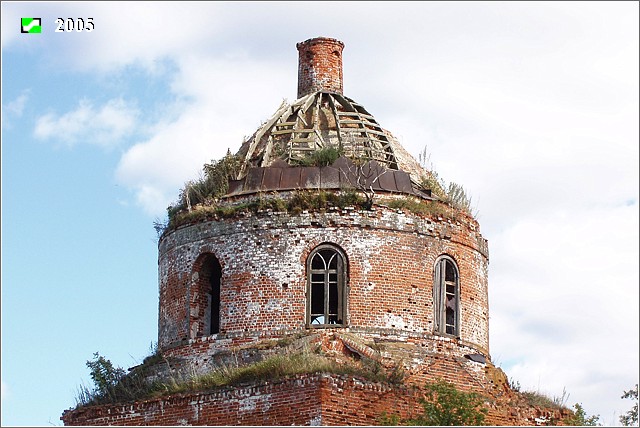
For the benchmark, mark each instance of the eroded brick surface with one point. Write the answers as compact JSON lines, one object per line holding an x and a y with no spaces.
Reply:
{"x":308,"y":400}
{"x":319,"y":66}
{"x":391,"y":257}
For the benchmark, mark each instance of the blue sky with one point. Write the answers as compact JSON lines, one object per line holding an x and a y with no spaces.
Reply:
{"x":533,"y":107}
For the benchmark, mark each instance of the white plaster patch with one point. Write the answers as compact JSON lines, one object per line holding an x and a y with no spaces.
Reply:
{"x":369,"y":288}
{"x":253,"y":309}
{"x":316,"y":422}
{"x":251,"y":403}
{"x":394,"y":321}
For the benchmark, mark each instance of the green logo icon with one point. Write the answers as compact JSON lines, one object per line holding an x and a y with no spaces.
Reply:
{"x":31,"y":25}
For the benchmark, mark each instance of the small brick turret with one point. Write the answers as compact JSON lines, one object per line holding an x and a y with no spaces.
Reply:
{"x":319,"y":66}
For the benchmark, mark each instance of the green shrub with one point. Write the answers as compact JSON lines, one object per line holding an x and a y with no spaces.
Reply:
{"x":206,"y":189}
{"x":435,"y":184}
{"x":386,"y":419}
{"x":106,"y":380}
{"x":580,"y":418}
{"x":323,"y":157}
{"x":631,"y":417}
{"x":444,"y":405}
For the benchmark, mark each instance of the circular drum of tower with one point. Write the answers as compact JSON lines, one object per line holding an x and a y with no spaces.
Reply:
{"x":374,"y":270}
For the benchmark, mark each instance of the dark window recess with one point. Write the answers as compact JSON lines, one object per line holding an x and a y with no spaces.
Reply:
{"x":446,"y":297}
{"x":216,"y":275}
{"x":326,"y":276}
{"x":209,"y":285}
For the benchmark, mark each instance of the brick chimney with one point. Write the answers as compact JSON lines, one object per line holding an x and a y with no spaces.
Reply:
{"x":319,"y":66}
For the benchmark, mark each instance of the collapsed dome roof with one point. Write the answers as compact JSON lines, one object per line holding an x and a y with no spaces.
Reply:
{"x":316,"y":121}
{"x":322,"y":117}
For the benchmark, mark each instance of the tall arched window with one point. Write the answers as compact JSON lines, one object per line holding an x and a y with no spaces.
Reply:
{"x":326,"y":287}
{"x":205,"y":296}
{"x":446,"y":297}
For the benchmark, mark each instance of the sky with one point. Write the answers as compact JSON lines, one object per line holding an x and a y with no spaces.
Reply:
{"x":532,"y":107}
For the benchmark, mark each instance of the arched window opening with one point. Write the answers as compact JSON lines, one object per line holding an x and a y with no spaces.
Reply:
{"x":326,"y":288}
{"x":446,"y":297}
{"x":207,"y":296}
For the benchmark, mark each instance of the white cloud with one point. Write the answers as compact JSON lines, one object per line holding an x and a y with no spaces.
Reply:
{"x":564,"y":303}
{"x":103,"y":126}
{"x":216,"y":118}
{"x":16,"y":107}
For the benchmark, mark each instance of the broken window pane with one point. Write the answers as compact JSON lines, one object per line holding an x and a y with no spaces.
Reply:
{"x":451,"y":303}
{"x":446,"y":289}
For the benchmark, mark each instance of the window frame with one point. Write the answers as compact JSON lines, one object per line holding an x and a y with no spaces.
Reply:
{"x":440,"y":285}
{"x":341,"y":284}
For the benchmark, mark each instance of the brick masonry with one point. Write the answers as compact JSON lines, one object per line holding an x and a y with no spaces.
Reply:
{"x":319,"y":66}
{"x":391,"y":257}
{"x":306,"y":400}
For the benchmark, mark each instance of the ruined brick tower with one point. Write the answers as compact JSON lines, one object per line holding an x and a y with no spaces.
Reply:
{"x":375,"y":273}
{"x":355,"y":256}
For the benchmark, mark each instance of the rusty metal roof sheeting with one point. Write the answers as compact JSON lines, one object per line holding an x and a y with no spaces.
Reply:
{"x":342,"y":174}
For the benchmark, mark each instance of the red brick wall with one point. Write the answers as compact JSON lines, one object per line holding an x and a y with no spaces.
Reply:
{"x":304,"y":400}
{"x":267,"y":404}
{"x":391,"y":257}
{"x":319,"y":66}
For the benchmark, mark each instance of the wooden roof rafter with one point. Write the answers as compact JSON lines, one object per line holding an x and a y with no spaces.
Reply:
{"x":297,"y":129}
{"x":368,"y":128}
{"x":332,"y":103}
{"x":260,"y":133}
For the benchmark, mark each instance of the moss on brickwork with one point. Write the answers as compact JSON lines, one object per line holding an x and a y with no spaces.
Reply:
{"x":136,"y":386}
{"x":433,"y":209}
{"x":293,"y":203}
{"x":307,"y":201}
